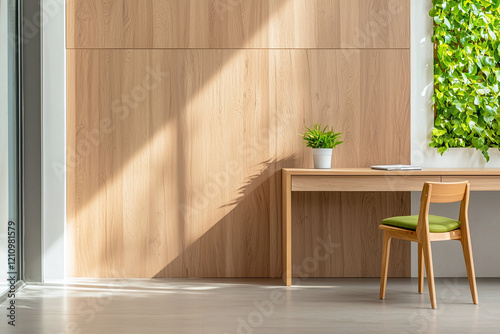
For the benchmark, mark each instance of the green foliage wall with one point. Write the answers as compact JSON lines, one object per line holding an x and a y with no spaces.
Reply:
{"x":466,"y":74}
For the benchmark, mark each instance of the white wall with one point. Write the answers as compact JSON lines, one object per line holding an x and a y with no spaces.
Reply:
{"x":483,"y":215}
{"x":53,"y":139}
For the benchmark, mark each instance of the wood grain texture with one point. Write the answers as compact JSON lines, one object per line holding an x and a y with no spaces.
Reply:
{"x":238,"y":24}
{"x":336,"y":234}
{"x":286,"y":229}
{"x":169,"y":191}
{"x":151,"y":195}
{"x":492,"y":173}
{"x":355,"y":92}
{"x":477,"y":183}
{"x":375,"y":23}
{"x":330,"y":87}
{"x":360,"y":183}
{"x":109,"y":23}
{"x":182,"y":113}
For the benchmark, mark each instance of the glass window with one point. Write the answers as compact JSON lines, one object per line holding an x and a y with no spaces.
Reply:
{"x":9,"y":163}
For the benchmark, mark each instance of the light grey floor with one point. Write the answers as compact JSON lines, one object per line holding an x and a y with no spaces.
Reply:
{"x":249,"y":306}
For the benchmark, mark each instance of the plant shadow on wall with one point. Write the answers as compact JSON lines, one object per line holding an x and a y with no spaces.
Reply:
{"x":228,"y":249}
{"x":466,"y":75}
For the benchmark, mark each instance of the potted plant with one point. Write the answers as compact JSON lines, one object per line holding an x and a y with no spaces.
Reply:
{"x":322,"y":143}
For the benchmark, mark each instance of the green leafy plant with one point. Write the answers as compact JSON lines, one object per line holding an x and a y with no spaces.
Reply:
{"x":466,"y":74}
{"x":321,"y":138}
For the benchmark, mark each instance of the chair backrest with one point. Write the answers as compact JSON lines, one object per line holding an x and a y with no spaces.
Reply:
{"x":447,"y":192}
{"x":443,"y":192}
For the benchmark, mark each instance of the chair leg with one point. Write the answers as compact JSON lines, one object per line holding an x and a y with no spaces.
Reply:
{"x":469,"y":264}
{"x":430,"y":271}
{"x":386,"y":249}
{"x":420,"y":269}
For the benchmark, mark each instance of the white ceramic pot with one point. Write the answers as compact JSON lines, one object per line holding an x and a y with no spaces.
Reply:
{"x":322,"y":158}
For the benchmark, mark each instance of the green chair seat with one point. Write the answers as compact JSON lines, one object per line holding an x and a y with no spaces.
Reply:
{"x":437,"y":224}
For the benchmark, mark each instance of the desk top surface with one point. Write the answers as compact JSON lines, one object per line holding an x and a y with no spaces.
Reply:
{"x":373,"y":172}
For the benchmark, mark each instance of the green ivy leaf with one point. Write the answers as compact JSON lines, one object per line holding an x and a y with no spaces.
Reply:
{"x":438,"y":132}
{"x":467,"y":74}
{"x":442,"y":149}
{"x":478,"y":142}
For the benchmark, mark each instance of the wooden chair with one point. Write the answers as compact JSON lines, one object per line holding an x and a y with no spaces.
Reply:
{"x":425,"y":228}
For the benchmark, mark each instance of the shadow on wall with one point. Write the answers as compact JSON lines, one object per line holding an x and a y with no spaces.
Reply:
{"x":143,"y":151}
{"x":114,"y":181}
{"x":228,"y":249}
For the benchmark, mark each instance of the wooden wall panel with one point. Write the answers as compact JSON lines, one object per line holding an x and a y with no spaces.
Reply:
{"x":181,"y":115}
{"x":363,"y":93}
{"x":202,"y":140}
{"x":357,"y":93}
{"x":375,"y":23}
{"x":162,"y":191}
{"x":337,"y":234}
{"x":238,"y":24}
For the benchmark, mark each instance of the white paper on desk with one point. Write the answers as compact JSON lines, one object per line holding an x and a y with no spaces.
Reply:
{"x":397,"y":167}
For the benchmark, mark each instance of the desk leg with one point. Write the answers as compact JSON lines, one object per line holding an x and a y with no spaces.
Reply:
{"x":286,"y":228}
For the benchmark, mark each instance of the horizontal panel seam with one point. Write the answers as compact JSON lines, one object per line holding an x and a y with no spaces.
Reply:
{"x":237,"y":48}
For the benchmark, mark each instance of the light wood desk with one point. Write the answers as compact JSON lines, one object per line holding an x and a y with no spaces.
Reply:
{"x":365,"y":179}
